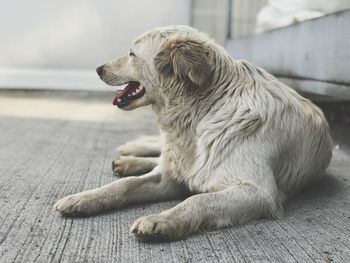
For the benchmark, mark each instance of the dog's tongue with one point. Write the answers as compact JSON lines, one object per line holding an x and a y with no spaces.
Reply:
{"x":120,"y":94}
{"x":130,"y":88}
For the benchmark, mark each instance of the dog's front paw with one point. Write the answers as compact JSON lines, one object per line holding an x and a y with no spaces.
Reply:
{"x":75,"y":205}
{"x":130,"y":165}
{"x":156,"y":228}
{"x":117,"y":167}
{"x":124,"y":166}
{"x":127,"y":149}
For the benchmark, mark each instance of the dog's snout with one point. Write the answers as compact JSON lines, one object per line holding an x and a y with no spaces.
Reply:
{"x":99,"y":70}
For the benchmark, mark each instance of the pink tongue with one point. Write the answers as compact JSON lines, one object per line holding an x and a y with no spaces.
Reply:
{"x":132,"y":86}
{"x":119,"y":95}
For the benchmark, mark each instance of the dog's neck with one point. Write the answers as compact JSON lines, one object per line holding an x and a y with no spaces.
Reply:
{"x":183,"y":111}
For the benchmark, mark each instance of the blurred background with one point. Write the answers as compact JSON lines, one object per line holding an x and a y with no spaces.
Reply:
{"x":49,"y":47}
{"x":57,"y":45}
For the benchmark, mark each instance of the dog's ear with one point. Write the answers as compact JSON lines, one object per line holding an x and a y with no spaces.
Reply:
{"x":186,"y":59}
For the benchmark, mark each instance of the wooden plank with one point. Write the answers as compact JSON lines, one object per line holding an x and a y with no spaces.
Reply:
{"x":317,"y":49}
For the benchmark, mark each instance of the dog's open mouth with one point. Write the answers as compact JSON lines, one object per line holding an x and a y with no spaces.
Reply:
{"x":133,"y":91}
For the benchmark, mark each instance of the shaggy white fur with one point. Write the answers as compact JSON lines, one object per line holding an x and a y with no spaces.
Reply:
{"x":231,"y":134}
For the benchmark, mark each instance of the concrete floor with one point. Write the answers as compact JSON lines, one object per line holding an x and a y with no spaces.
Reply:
{"x":52,"y":145}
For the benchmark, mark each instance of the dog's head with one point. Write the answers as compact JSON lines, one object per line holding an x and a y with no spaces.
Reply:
{"x":161,"y":62}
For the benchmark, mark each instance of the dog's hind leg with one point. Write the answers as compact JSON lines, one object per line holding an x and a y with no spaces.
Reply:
{"x":146,"y":146}
{"x":234,"y":205}
{"x":130,"y":165}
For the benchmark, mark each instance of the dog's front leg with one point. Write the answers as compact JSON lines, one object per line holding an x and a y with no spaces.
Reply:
{"x":123,"y":192}
{"x":232,"y":206}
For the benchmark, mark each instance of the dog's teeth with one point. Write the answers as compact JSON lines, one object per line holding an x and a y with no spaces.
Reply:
{"x":119,"y":100}
{"x":134,"y":93}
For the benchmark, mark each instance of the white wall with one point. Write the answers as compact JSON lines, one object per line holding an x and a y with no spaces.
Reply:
{"x":78,"y":34}
{"x":244,"y":17}
{"x":210,"y":16}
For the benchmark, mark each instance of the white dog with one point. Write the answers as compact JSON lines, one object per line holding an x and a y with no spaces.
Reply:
{"x":232,"y":135}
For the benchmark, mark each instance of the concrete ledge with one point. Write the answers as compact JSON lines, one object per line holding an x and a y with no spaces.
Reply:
{"x":337,"y":91}
{"x":315,"y":50}
{"x":51,"y":79}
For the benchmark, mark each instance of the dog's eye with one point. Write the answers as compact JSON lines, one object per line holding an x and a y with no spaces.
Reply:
{"x":132,"y":54}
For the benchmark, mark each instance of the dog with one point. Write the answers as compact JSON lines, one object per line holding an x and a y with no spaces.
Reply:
{"x":233,"y":139}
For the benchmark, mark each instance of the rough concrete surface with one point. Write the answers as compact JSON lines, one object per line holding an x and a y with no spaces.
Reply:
{"x":50,"y":147}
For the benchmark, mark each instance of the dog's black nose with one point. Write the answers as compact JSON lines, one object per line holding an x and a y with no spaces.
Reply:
{"x":99,"y":70}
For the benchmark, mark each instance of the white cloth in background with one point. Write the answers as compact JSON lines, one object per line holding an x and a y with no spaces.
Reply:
{"x":280,"y":13}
